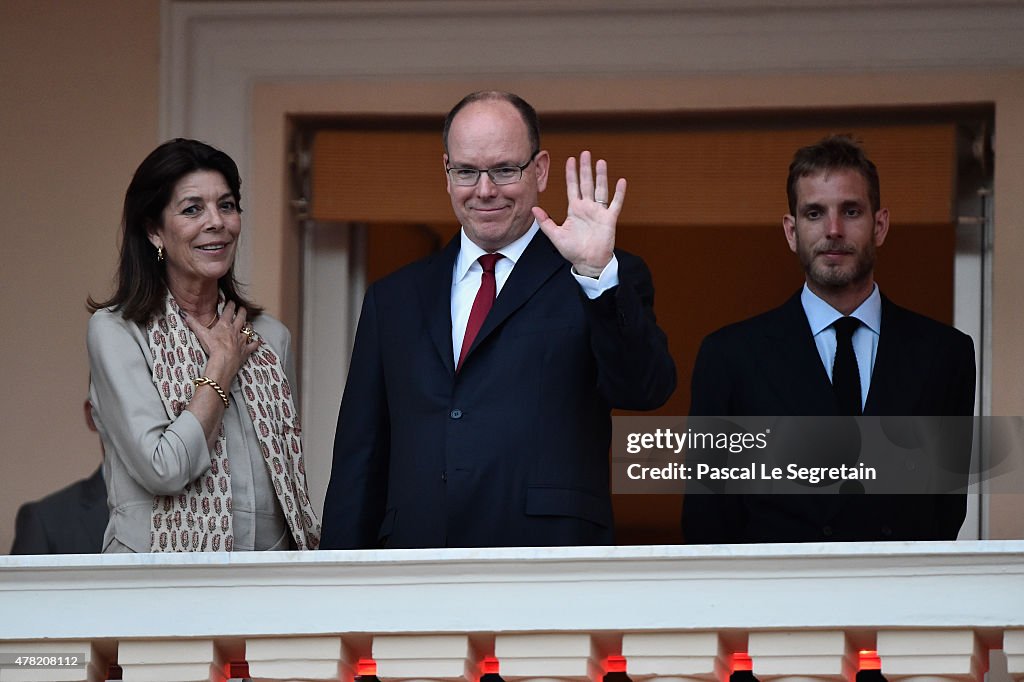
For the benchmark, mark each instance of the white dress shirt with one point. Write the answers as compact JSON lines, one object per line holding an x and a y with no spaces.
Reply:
{"x":468,"y":271}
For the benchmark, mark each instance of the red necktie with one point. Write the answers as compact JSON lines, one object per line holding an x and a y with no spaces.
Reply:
{"x":481,"y":304}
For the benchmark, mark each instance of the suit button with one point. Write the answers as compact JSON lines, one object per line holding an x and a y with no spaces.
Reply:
{"x":827,"y":531}
{"x":455,"y":414}
{"x":444,"y":476}
{"x":886,"y":531}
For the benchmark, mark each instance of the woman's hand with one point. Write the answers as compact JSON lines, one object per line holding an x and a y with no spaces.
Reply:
{"x":227,"y":347}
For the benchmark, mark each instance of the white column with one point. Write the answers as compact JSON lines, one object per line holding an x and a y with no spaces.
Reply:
{"x":179,"y":660}
{"x":547,"y":657}
{"x":675,"y":656}
{"x":450,"y":658}
{"x":931,"y":655}
{"x":802,"y":656}
{"x":1013,"y":647}
{"x":89,"y":665}
{"x":298,"y":658}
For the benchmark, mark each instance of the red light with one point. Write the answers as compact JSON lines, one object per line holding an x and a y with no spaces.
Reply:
{"x":615,"y":664}
{"x":238,"y":669}
{"x":741,"y":662}
{"x":869,"y":660}
{"x":366,"y":666}
{"x":489,"y":666}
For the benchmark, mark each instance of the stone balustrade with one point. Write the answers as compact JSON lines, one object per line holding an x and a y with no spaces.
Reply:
{"x":922,"y":612}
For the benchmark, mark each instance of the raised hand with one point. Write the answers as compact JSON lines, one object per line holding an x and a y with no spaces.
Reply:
{"x":587,"y":237}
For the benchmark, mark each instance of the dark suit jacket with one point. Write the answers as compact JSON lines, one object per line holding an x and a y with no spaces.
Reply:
{"x":69,"y":521}
{"x":512,"y":450}
{"x":768,"y":365}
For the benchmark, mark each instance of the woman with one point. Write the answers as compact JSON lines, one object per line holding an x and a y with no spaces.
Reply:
{"x":191,"y":383}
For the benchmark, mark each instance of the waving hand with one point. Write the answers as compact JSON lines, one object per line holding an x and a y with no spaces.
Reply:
{"x":587,"y":236}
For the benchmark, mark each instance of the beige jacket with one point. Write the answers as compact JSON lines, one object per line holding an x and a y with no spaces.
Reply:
{"x":148,"y":454}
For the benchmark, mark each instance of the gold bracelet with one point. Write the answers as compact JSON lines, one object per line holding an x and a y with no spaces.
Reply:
{"x":207,"y":381}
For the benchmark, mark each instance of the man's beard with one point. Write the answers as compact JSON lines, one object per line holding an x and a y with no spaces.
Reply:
{"x":838,"y":276}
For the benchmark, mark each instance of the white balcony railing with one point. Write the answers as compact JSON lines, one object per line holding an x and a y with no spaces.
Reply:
{"x":932,"y":611}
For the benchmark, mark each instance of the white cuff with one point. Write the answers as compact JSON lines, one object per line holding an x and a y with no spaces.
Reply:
{"x":595,"y":287}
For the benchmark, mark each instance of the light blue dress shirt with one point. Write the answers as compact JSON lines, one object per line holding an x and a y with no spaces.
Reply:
{"x":820,"y":315}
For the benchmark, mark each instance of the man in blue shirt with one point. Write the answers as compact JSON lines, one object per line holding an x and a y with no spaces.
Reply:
{"x":796,"y":360}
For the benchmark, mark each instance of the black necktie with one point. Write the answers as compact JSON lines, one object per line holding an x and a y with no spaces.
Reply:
{"x":845,"y":375}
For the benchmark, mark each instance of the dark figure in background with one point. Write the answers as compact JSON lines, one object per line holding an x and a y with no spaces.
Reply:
{"x":69,"y":521}
{"x":783,"y":363}
{"x":466,"y":428}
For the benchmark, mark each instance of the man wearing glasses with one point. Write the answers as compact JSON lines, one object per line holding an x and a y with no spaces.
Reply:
{"x":476,"y":411}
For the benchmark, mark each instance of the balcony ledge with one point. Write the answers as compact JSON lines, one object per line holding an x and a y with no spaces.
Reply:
{"x":978,"y":585}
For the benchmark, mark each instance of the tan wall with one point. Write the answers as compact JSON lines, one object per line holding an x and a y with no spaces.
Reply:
{"x":80,"y":93}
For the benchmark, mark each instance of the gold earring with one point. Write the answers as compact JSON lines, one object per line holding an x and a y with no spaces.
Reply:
{"x":159,"y":253}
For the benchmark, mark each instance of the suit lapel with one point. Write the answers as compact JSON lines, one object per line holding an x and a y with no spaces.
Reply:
{"x":800,"y":379}
{"x":435,"y":292}
{"x":900,"y":362}
{"x":792,"y":365}
{"x":539,"y":262}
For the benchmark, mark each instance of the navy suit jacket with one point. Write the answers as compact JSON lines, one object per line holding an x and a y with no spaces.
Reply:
{"x":769,"y":366}
{"x":69,"y":521}
{"x":512,"y":450}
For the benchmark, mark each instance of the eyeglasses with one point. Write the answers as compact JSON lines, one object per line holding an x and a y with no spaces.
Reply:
{"x":500,"y":175}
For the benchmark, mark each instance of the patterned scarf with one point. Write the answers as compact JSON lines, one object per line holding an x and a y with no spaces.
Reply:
{"x":198,"y":519}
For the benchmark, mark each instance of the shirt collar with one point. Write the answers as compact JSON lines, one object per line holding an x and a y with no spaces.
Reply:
{"x":469,"y":252}
{"x":820,"y":314}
